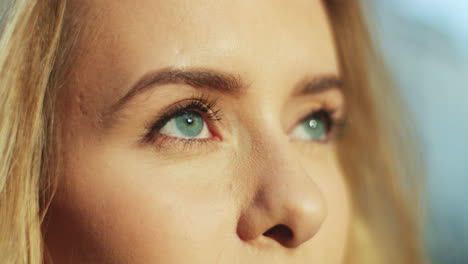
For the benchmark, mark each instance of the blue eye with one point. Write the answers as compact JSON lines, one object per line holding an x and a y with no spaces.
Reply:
{"x":188,"y":124}
{"x":314,"y":127}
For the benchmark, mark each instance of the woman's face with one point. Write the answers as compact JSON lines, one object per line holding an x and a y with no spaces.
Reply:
{"x":201,"y":132}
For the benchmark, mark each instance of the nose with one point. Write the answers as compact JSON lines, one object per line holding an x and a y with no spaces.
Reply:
{"x":286,"y":205}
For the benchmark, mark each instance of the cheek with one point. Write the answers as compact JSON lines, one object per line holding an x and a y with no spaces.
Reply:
{"x":116,"y":204}
{"x":127,"y":207}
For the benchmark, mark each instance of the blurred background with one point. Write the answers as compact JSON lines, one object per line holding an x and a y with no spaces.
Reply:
{"x":425,"y":43}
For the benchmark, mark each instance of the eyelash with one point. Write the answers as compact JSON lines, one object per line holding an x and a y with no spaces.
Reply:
{"x":208,"y":108}
{"x":205,"y":105}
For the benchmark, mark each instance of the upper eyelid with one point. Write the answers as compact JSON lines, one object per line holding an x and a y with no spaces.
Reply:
{"x":173,"y":110}
{"x":330,"y":111}
{"x":178,"y":109}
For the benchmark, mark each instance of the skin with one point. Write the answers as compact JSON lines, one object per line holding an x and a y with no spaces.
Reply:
{"x":121,"y":200}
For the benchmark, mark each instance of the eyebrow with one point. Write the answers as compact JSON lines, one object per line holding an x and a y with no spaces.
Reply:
{"x":218,"y":81}
{"x":318,"y":84}
{"x":197,"y":78}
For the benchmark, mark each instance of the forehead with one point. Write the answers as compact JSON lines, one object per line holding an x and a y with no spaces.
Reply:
{"x":256,"y":38}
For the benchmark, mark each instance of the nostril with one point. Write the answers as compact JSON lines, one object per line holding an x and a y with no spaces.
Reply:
{"x":281,"y":233}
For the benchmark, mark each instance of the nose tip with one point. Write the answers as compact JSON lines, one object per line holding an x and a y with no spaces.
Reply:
{"x":301,"y":223}
{"x":306,"y":220}
{"x":289,"y":219}
{"x":283,"y":205}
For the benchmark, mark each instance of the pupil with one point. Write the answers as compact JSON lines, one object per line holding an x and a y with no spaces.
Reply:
{"x":189,"y":120}
{"x":313,"y":123}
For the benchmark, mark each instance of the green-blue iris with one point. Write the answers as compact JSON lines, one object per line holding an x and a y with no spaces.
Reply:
{"x":190,"y":123}
{"x":315,"y":127}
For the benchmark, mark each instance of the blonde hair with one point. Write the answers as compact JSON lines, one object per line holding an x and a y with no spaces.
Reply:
{"x":379,"y":152}
{"x":375,"y":153}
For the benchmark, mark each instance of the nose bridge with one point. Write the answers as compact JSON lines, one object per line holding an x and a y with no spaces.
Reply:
{"x":285,"y":196}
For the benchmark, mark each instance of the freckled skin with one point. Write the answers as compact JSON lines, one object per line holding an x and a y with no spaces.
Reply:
{"x":121,"y":201}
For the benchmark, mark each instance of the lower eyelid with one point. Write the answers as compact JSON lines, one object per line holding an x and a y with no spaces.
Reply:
{"x":164,"y":143}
